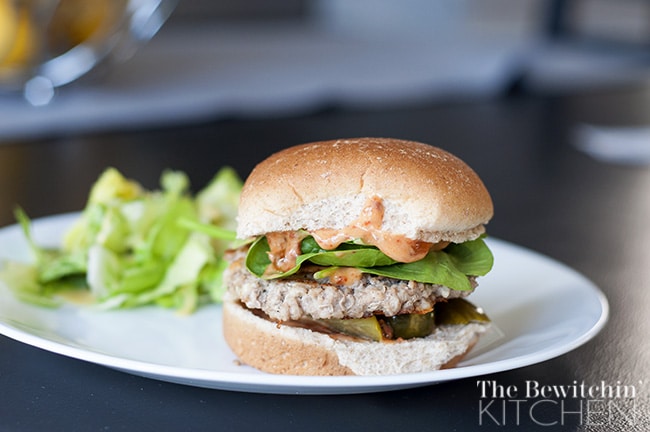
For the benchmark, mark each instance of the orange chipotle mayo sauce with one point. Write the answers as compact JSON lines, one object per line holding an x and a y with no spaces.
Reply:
{"x":285,"y":245}
{"x":367,"y":228}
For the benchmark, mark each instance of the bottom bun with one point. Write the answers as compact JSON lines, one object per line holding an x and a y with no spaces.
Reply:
{"x":281,"y":349}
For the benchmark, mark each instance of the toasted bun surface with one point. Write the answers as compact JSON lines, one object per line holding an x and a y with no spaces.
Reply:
{"x":428,"y":194}
{"x":287,"y":350}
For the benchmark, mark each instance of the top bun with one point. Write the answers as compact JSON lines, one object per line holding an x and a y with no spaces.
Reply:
{"x":428,"y":194}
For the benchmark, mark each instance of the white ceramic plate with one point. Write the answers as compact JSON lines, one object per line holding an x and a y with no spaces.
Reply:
{"x":522,"y":296}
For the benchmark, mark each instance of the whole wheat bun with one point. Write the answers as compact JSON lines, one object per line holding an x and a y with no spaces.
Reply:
{"x":281,"y":349}
{"x":428,"y":194}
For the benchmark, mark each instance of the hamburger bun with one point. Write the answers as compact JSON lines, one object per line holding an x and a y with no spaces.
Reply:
{"x":326,"y":184}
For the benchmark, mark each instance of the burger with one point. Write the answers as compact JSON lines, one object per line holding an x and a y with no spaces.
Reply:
{"x":360,"y":255}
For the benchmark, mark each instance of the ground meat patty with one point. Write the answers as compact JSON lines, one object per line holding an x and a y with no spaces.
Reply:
{"x":302,"y":297}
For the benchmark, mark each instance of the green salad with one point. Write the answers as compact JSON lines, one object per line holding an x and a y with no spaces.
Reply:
{"x":132,"y":247}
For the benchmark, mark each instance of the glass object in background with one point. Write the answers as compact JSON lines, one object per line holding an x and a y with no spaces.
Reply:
{"x":45,"y":44}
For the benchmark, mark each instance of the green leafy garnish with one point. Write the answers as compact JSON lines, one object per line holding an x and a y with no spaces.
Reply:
{"x":449,"y":267}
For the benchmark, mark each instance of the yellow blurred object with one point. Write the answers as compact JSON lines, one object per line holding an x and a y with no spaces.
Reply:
{"x":47,"y":44}
{"x":8,"y":25}
{"x":72,"y":23}
{"x":78,"y":21}
{"x":18,"y":37}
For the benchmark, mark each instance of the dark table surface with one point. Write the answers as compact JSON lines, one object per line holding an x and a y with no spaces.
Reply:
{"x":548,"y":196}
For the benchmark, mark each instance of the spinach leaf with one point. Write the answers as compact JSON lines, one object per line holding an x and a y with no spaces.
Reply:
{"x":449,"y":267}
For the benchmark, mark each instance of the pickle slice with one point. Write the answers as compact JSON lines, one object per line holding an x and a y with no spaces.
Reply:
{"x":365,"y":328}
{"x":459,"y":311}
{"x":409,"y":326}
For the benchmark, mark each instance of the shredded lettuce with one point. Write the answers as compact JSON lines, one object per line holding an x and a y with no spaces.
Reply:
{"x":132,"y":247}
{"x":218,"y":204}
{"x":449,"y":267}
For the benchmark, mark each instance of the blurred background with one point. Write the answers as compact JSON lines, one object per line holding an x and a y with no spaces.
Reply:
{"x":213,"y":59}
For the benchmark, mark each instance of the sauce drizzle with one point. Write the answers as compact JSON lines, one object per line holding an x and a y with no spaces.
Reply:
{"x":285,"y":245}
{"x":367,"y":228}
